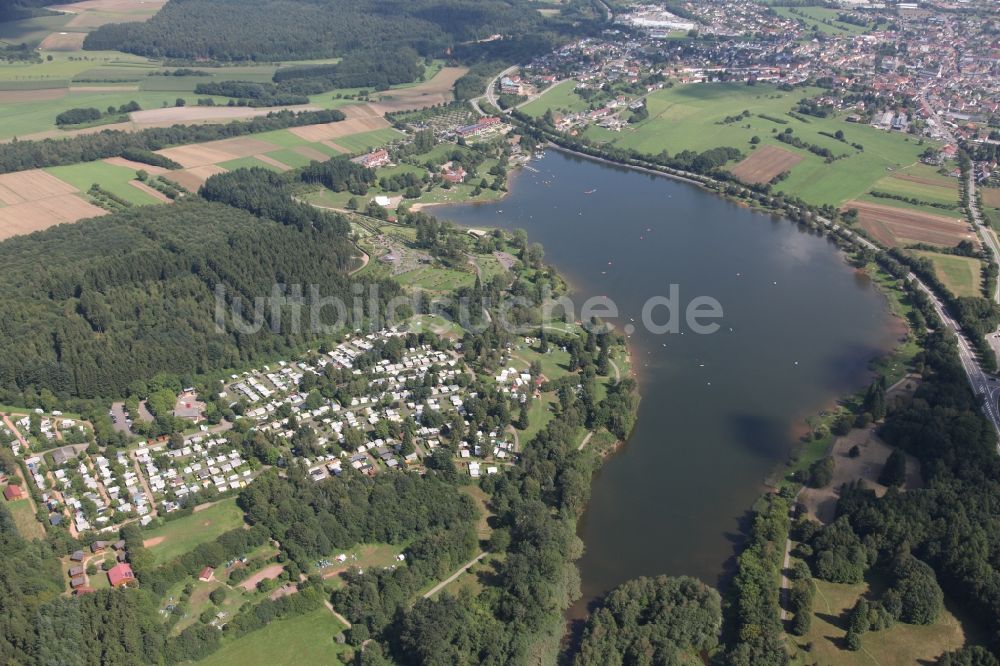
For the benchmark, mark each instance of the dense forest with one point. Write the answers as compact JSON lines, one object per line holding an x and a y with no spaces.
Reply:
{"x":275,"y":30}
{"x":21,"y":155}
{"x":130,"y":295}
{"x":652,"y":621}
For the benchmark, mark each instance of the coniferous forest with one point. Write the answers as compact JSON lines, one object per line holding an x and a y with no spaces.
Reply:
{"x":93,"y":306}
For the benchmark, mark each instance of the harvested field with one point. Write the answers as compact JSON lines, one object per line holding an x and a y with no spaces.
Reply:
{"x":188,"y":114}
{"x":63,"y":41}
{"x":30,"y":216}
{"x":129,"y":164}
{"x":213,"y":152}
{"x":155,"y":541}
{"x":328,"y":131}
{"x":337,"y":147}
{"x":439,"y":90}
{"x":193,"y":178}
{"x":311,"y":153}
{"x":33,"y":185}
{"x":901,"y":226}
{"x":991,"y":195}
{"x":273,"y":162}
{"x":764,"y":164}
{"x":15,"y":96}
{"x":156,"y":194}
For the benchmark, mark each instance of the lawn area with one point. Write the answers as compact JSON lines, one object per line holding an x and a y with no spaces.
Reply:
{"x":691,"y":117}
{"x":365,"y":141}
{"x":24,"y":518}
{"x":181,"y":535}
{"x":304,"y":639}
{"x":962,"y":275}
{"x":560,"y":98}
{"x":113,"y":178}
{"x":900,"y":644}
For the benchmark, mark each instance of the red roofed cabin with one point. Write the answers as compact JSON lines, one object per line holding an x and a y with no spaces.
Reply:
{"x":13,"y":492}
{"x":121,"y":574}
{"x":454,"y":175}
{"x":206,"y":574}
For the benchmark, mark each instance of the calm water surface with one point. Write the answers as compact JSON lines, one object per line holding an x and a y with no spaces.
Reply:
{"x":718,"y":411}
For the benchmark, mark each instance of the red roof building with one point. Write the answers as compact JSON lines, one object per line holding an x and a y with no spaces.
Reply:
{"x":121,"y":574}
{"x":206,"y":574}
{"x":13,"y":492}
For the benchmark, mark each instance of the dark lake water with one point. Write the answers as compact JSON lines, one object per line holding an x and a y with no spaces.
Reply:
{"x":719,"y":412}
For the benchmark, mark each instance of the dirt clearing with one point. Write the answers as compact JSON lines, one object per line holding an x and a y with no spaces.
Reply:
{"x":155,"y":541}
{"x":900,"y":226}
{"x":764,"y":164}
{"x":272,"y":571}
{"x":821,"y":503}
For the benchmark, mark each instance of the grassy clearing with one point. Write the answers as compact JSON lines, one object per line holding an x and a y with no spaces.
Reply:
{"x":304,"y":639}
{"x":962,"y":275}
{"x":183,"y":534}
{"x":25,"y":519}
{"x":901,"y":644}
{"x":689,"y":117}
{"x":560,"y":98}
{"x":113,"y":178}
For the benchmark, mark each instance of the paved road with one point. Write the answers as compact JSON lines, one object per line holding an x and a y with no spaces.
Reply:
{"x":491,"y":91}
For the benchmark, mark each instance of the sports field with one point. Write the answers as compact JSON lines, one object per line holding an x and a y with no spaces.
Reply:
{"x":694,"y":117}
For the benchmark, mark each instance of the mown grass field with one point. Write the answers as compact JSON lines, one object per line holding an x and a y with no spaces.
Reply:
{"x":692,"y":117}
{"x":113,"y":178}
{"x":181,"y":535}
{"x":961,"y":275}
{"x":304,"y":639}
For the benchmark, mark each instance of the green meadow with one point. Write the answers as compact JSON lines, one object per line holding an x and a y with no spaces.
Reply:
{"x":303,"y":639}
{"x":113,"y":178}
{"x":183,"y":534}
{"x":694,"y":117}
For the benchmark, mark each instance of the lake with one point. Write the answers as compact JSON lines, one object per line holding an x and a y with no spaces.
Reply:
{"x":719,"y":412}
